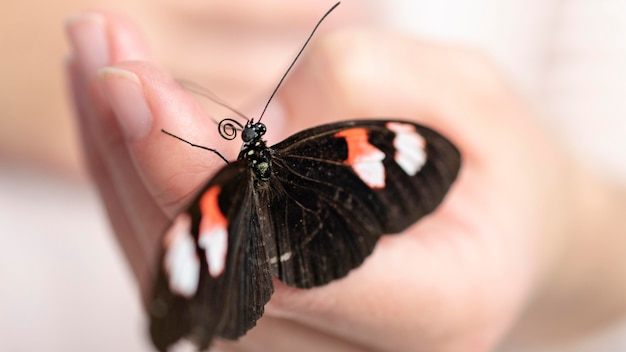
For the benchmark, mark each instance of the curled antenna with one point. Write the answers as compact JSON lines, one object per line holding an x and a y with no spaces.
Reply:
{"x":205,"y":92}
{"x":296,"y":59}
{"x":197,"y":146}
{"x":227,"y":128}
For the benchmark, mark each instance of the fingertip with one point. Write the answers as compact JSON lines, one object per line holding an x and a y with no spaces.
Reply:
{"x":87,"y":33}
{"x":127,"y":40}
{"x":99,"y":38}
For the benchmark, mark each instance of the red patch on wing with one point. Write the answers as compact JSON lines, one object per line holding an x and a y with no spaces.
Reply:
{"x":212,"y":216}
{"x":359,"y":148}
{"x":364,"y":158}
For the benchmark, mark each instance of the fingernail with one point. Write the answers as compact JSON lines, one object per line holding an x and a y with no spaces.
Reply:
{"x":88,"y":37}
{"x":124,"y":92}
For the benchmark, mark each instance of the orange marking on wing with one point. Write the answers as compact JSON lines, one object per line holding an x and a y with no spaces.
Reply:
{"x":359,"y":148}
{"x":364,"y":158}
{"x":212,"y":216}
{"x":213,"y":232}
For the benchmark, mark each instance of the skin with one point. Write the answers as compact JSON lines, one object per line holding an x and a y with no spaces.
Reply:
{"x":209,"y":42}
{"x":509,"y":241}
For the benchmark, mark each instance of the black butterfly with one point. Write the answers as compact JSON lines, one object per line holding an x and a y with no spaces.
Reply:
{"x":306,"y":210}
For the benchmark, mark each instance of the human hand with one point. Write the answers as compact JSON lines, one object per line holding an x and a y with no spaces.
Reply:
{"x":454,"y":281}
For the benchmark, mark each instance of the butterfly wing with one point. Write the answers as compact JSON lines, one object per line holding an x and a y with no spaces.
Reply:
{"x":334,"y":190}
{"x":214,"y":277}
{"x":337,"y":188}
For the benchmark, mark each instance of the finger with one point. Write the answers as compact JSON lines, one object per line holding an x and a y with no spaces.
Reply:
{"x":146,"y":100}
{"x":100,"y":174}
{"x":98,"y":40}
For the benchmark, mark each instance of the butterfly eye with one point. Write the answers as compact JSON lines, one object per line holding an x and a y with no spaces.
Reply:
{"x":260,"y":129}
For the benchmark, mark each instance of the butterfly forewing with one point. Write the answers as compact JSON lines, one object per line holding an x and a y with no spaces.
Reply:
{"x":221,"y":285}
{"x":341,"y":186}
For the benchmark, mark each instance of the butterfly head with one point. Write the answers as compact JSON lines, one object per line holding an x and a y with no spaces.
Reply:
{"x":253,"y":131}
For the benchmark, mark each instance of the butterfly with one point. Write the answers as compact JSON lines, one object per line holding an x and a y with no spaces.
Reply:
{"x":307,"y":210}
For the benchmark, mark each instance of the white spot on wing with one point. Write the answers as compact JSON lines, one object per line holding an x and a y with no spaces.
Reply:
{"x":215,"y":243}
{"x":283,"y":258}
{"x":370,"y":168}
{"x":180,"y":261}
{"x":183,"y":345}
{"x":364,"y":158}
{"x":410,"y":147}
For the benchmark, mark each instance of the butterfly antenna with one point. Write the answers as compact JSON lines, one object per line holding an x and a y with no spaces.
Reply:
{"x":205,"y":92}
{"x":296,"y":58}
{"x":197,"y":146}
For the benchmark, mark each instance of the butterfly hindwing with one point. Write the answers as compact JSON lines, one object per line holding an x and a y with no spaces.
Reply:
{"x":339,"y":187}
{"x":214,"y":277}
{"x":310,"y":230}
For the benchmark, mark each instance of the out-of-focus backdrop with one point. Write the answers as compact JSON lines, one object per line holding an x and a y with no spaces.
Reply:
{"x":63,"y":283}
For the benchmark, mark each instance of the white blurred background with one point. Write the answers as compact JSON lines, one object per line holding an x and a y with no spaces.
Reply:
{"x":63,"y":283}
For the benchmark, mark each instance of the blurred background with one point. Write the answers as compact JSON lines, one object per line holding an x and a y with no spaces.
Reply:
{"x":63,"y":283}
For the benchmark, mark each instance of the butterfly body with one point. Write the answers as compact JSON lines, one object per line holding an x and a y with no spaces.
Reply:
{"x":306,"y":210}
{"x":255,"y":151}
